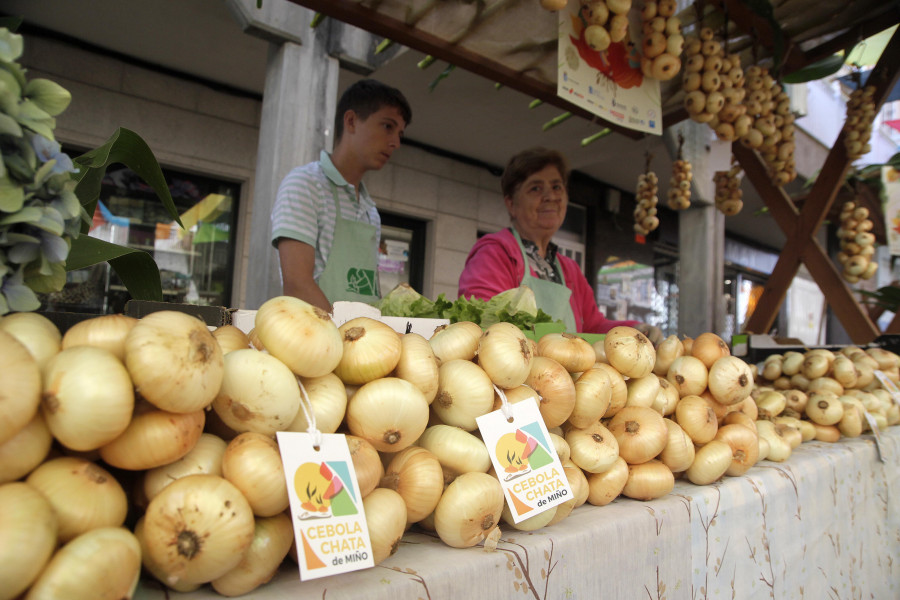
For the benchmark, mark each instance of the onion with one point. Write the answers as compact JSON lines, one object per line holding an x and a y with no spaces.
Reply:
{"x":618,"y":395}
{"x":231,"y":338}
{"x":710,"y":463}
{"x":154,"y":439}
{"x":629,"y":351}
{"x":386,"y":519}
{"x":258,"y":393}
{"x":555,"y":386}
{"x":739,"y":418}
{"x":532,"y":523}
{"x":744,"y":444}
{"x":415,"y":474}
{"x":844,"y":371}
{"x":371,"y":351}
{"x":770,"y":404}
{"x":204,"y":458}
{"x":272,"y":539}
{"x":667,"y":398}
{"x":642,"y":391}
{"x":328,"y":396}
{"x":106,"y":331}
{"x":418,"y":365}
{"x":772,"y":368}
{"x":709,"y":347}
{"x":599,"y":351}
{"x":669,"y":349}
{"x":779,"y":448}
{"x":577,"y":481}
{"x":36,"y":332}
{"x":366,"y":463}
{"x":824,"y":408}
{"x":102,"y":564}
{"x":851,"y":424}
{"x":197,"y":529}
{"x":88,"y":397}
{"x":594,"y":448}
{"x":641,"y":432}
{"x":389,"y":413}
{"x":83,"y":494}
{"x":730,"y":380}
{"x":814,"y":366}
{"x":825,"y":384}
{"x":300,"y":335}
{"x":174,"y":361}
{"x":25,"y":450}
{"x":252,"y":463}
{"x":697,"y":418}
{"x":464,"y":393}
{"x":20,"y":386}
{"x":456,"y":340}
{"x":689,"y":375}
{"x":574,"y":353}
{"x":593,"y":391}
{"x":458,"y":451}
{"x":679,"y":451}
{"x":648,"y":480}
{"x":607,"y":486}
{"x":27,"y":537}
{"x":505,"y":355}
{"x":469,"y":509}
{"x":516,"y":394}
{"x":561,"y":446}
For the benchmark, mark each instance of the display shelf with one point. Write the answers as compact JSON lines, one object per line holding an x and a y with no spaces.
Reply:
{"x":823,"y":524}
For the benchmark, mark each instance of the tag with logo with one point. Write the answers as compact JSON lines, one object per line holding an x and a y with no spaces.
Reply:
{"x":889,"y":385}
{"x":524,"y":459}
{"x":326,"y":507}
{"x":873,"y":425}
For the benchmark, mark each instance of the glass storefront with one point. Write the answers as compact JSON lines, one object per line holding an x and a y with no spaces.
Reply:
{"x":195,"y":263}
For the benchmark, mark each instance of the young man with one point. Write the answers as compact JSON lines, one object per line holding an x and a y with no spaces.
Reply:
{"x":324,"y":223}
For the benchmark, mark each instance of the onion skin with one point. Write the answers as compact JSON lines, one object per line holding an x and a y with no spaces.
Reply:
{"x":607,"y":486}
{"x":205,"y":457}
{"x":371,"y":350}
{"x":106,"y":331}
{"x":629,"y":351}
{"x":252,"y":463}
{"x":386,"y":520}
{"x":83,"y":494}
{"x":102,"y":564}
{"x":174,"y":361}
{"x":469,"y":509}
{"x":415,"y":474}
{"x":300,"y":335}
{"x":272,"y":540}
{"x":25,"y":450}
{"x":390,"y":413}
{"x":648,"y":480}
{"x":27,"y":537}
{"x":37,"y":334}
{"x":197,"y":529}
{"x":20,"y":386}
{"x":154,"y":439}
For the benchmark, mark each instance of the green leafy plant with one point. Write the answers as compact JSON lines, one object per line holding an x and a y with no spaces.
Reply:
{"x":47,"y":200}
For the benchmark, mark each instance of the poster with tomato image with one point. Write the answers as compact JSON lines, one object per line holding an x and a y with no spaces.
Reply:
{"x":610,"y":83}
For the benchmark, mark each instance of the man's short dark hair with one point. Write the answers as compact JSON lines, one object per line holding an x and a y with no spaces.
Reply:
{"x":524,"y":164}
{"x":366,"y":97}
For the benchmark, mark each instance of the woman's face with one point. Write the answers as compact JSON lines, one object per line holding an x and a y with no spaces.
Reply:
{"x":538,"y":206}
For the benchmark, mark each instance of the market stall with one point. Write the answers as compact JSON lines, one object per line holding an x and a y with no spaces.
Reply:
{"x":821,"y":525}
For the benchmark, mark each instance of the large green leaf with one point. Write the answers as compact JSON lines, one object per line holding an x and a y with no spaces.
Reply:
{"x":817,"y":70}
{"x":136,"y":268}
{"x":126,"y":147}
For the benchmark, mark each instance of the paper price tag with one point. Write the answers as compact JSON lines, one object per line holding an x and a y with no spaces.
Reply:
{"x":873,"y":425}
{"x":889,"y":385}
{"x":326,"y":507}
{"x":525,"y":460}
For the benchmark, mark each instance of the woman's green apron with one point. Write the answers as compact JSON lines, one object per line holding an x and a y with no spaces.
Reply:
{"x":552,"y":298}
{"x":351,"y":271}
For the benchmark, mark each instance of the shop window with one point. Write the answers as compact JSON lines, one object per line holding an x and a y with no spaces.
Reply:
{"x":628,"y":290}
{"x":195,"y":263}
{"x":401,"y":255}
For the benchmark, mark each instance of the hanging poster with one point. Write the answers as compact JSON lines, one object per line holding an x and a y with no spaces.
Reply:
{"x":890,"y":180}
{"x":608,"y":83}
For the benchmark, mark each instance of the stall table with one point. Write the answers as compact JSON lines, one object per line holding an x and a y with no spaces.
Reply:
{"x":823,"y":525}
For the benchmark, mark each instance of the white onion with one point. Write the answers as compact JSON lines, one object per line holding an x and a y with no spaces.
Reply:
{"x":272,"y":540}
{"x":253,"y":464}
{"x":106,"y":331}
{"x":36,"y":332}
{"x":88,"y":397}
{"x":27,"y":537}
{"x":418,"y":364}
{"x":174,"y":361}
{"x":464,"y":393}
{"x":300,"y":335}
{"x":25,"y":450}
{"x":197,"y":529}
{"x":204,"y":458}
{"x":20,"y":386}
{"x":258,"y":393}
{"x":629,"y":351}
{"x":371,"y":350}
{"x":328,"y":396}
{"x":505,"y":355}
{"x":153,"y":439}
{"x":389,"y":413}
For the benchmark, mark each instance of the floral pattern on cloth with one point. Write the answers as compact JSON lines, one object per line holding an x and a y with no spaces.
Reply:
{"x":825,"y":524}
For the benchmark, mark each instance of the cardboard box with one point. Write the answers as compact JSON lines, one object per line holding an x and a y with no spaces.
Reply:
{"x":344,"y":311}
{"x":213,"y":316}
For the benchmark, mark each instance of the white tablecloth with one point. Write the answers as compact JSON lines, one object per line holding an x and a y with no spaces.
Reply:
{"x":823,"y":525}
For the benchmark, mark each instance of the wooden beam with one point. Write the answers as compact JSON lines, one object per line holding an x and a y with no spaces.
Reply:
{"x":369,"y":19}
{"x":875,"y":24}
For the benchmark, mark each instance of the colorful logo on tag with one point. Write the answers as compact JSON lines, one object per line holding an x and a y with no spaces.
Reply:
{"x":324,"y":490}
{"x":361,"y":281}
{"x":520,"y":454}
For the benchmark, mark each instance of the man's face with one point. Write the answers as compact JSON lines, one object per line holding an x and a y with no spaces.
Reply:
{"x":375,"y":138}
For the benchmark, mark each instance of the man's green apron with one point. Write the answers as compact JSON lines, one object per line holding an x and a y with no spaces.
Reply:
{"x":351,"y":272}
{"x":552,"y":298}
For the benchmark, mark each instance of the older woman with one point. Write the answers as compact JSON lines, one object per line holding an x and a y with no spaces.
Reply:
{"x":534,"y":190}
